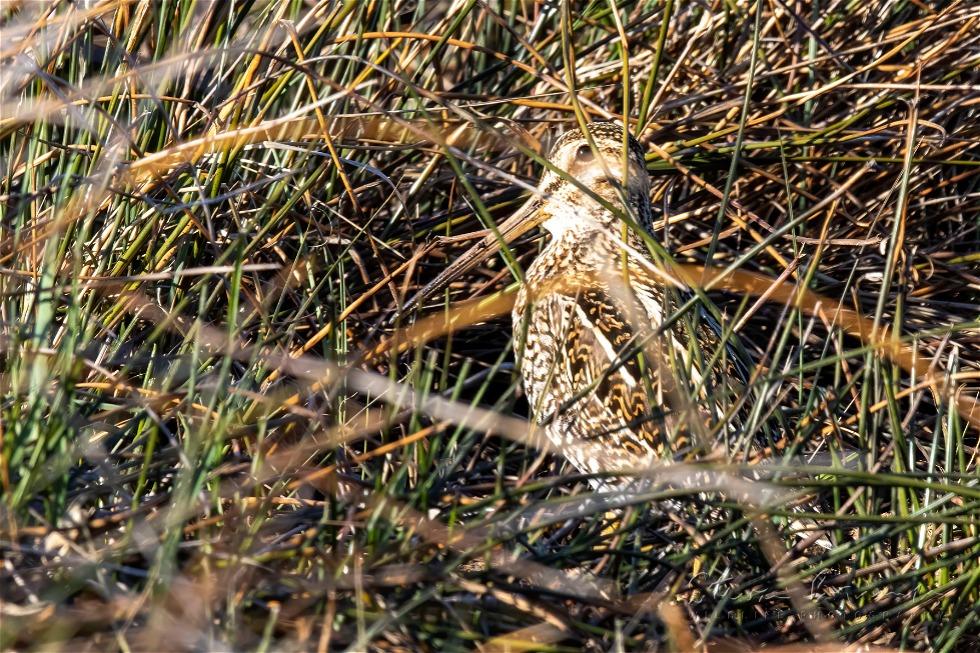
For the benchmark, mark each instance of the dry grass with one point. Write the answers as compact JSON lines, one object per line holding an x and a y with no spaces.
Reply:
{"x":214,"y":435}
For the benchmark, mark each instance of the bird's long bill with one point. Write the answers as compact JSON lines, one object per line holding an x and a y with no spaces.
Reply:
{"x":524,"y":219}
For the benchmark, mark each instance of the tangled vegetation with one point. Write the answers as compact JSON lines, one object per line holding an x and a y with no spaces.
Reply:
{"x":219,"y":430}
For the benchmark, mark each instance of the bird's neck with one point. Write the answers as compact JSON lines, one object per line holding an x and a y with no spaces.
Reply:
{"x":601,"y":231}
{"x":582,"y":247}
{"x":582,"y":217}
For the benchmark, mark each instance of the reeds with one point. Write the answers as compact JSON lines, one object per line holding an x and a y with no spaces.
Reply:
{"x":219,"y":431}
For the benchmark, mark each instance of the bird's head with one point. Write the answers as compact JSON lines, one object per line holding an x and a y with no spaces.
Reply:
{"x":590,"y":178}
{"x":588,"y":165}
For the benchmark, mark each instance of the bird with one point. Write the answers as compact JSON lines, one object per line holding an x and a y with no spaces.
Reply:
{"x":611,"y":373}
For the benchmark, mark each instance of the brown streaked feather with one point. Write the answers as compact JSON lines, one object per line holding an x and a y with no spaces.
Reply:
{"x":586,"y":376}
{"x":596,"y":365}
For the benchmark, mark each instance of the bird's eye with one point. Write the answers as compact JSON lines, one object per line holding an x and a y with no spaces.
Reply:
{"x":584,"y":154}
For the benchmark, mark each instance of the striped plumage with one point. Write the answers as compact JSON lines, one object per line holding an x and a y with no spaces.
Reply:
{"x":596,"y":369}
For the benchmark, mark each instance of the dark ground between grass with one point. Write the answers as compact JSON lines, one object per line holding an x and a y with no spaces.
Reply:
{"x":212,"y":211}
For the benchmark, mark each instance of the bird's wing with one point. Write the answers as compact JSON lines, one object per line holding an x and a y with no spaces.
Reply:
{"x":593,"y":373}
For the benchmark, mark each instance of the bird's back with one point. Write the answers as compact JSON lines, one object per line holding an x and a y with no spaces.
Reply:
{"x":597,"y":369}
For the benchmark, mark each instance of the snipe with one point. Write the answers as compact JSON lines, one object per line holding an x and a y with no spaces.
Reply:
{"x":600,"y":363}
